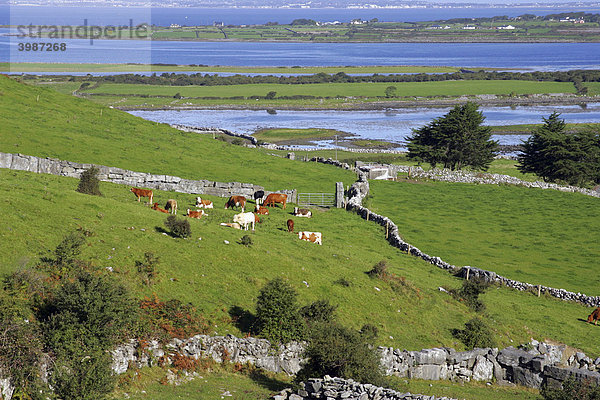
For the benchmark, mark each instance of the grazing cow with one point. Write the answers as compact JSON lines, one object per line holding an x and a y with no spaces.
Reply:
{"x":261,"y":210}
{"x":231,"y":225}
{"x":594,"y":316}
{"x":195,"y":214}
{"x":236,"y":201}
{"x":244,"y":219}
{"x":302,"y":212}
{"x":290,"y":225}
{"x":203,"y":203}
{"x":157,"y":208}
{"x":143,"y":193}
{"x":314,"y":237}
{"x":172,"y":206}
{"x":258,"y":196}
{"x":275,"y":198}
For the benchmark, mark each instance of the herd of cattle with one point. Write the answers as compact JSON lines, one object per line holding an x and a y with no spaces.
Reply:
{"x":242,"y":220}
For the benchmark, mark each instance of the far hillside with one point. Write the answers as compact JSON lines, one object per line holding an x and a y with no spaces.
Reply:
{"x":51,"y":124}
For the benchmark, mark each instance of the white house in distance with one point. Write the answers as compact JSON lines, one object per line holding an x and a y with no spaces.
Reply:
{"x":506,"y":27}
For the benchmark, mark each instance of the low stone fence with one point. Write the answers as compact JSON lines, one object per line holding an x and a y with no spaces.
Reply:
{"x":285,"y":358}
{"x":210,"y":131}
{"x":125,"y":177}
{"x":342,"y":389}
{"x":446,"y":175}
{"x":532,"y":366}
{"x":360,"y":189}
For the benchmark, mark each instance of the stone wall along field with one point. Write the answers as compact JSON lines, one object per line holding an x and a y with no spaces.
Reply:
{"x":132,"y":178}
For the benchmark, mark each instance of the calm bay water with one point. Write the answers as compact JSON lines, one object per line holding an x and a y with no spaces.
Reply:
{"x":391,"y":125}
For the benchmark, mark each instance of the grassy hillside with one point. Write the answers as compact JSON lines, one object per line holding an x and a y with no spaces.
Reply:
{"x":61,"y":126}
{"x":538,"y":236}
{"x":215,"y":276}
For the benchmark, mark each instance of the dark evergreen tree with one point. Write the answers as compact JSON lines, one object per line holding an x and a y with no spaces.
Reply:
{"x":558,"y":156}
{"x":456,"y":140}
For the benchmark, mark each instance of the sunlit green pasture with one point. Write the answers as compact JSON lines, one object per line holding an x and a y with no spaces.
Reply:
{"x":537,"y":236}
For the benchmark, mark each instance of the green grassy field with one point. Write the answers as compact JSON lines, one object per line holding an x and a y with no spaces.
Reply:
{"x":78,"y":130}
{"x":376,"y":89}
{"x":532,"y":235}
{"x":216,"y":276}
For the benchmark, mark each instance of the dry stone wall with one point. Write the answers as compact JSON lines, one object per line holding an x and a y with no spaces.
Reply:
{"x":341,"y":389}
{"x":125,"y":177}
{"x":446,"y":175}
{"x":360,"y":189}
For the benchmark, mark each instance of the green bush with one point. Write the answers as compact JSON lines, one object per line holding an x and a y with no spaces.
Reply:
{"x":88,"y":315}
{"x":470,"y":291}
{"x":369,"y":332}
{"x":277,"y":313}
{"x":475,"y":334}
{"x":379,"y":270}
{"x":179,"y":227}
{"x":65,"y":254}
{"x":572,"y":389}
{"x":246,"y":240}
{"x":89,"y":182}
{"x":147,"y":268}
{"x":335,"y":350}
{"x":318,"y":311}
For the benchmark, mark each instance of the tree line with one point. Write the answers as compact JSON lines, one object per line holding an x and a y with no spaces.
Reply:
{"x":174,"y":79}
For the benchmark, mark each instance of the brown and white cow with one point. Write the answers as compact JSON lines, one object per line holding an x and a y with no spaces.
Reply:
{"x":203,"y":203}
{"x":290,"y":225}
{"x":171,"y":205}
{"x":157,"y":208}
{"x":236,"y":201}
{"x":257,"y":219}
{"x":261,"y":210}
{"x":275,"y":198}
{"x":143,"y":193}
{"x":195,"y":214}
{"x":314,"y":237}
{"x":302,"y":212}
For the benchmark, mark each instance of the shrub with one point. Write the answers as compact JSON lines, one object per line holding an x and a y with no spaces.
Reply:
{"x":277,"y":314}
{"x":379,"y":270}
{"x":470,"y":291}
{"x":246,"y":240}
{"x":339,"y":351}
{"x":237,"y":141}
{"x":179,"y":227}
{"x":169,"y":319}
{"x":65,"y":254}
{"x":572,"y":389}
{"x":89,"y":182}
{"x":318,"y":311}
{"x":147,"y":268}
{"x":369,"y":332}
{"x":476,"y":334}
{"x":87,"y":316}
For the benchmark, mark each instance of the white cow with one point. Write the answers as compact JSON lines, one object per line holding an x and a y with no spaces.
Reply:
{"x":244,"y":219}
{"x":203,"y":203}
{"x":314,"y":237}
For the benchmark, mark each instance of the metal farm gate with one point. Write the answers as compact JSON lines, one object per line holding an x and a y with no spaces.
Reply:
{"x":316,"y":199}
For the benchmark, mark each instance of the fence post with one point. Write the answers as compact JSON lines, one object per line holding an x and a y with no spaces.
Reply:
{"x":339,"y":194}
{"x":468,"y":270}
{"x":539,"y":290}
{"x":387,"y":229}
{"x":368,"y":212}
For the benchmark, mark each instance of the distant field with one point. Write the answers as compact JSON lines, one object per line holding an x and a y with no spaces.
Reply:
{"x":377,"y":89}
{"x":87,"y":67}
{"x":284,"y":134}
{"x":537,"y":236}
